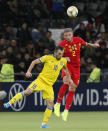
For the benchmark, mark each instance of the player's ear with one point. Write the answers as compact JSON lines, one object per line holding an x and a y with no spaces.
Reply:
{"x":55,"y":51}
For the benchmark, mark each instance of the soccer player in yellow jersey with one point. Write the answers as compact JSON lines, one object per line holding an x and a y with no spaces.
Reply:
{"x":52,"y":66}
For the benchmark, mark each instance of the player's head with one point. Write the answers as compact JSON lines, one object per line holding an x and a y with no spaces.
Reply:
{"x":93,"y":65}
{"x":68,"y":34}
{"x":58,"y":52}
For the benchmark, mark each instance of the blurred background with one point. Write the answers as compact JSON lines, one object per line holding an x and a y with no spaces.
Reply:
{"x":32,"y":28}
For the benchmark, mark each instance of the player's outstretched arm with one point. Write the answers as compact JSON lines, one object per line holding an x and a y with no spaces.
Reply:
{"x":96,"y":45}
{"x":37,"y":61}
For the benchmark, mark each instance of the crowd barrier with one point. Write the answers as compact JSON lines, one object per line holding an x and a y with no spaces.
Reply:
{"x":88,"y":97}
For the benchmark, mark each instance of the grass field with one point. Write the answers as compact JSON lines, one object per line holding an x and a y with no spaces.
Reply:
{"x":31,"y":121}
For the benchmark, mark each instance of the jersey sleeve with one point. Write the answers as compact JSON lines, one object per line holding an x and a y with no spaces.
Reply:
{"x":81,"y":41}
{"x":43,"y":59}
{"x":61,"y":44}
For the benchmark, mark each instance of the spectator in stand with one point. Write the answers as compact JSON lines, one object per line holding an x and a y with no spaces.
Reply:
{"x":21,"y":69}
{"x":2,"y":54}
{"x":40,"y":46}
{"x":37,"y":55}
{"x":83,"y":69}
{"x":2,"y":31}
{"x":10,"y":32}
{"x":13,"y":43}
{"x":49,"y":42}
{"x":89,"y":60}
{"x":81,"y":31}
{"x":89,"y":32}
{"x":7,"y":70}
{"x":3,"y":44}
{"x":36,"y":34}
{"x":31,"y":49}
{"x":18,"y":58}
{"x":98,"y":27}
{"x":23,"y":34}
{"x":104,"y":51}
{"x":106,"y":61}
{"x":95,"y":74}
{"x":34,"y":16}
{"x":22,"y":50}
{"x":46,"y":51}
{"x":82,"y":65}
{"x":103,"y":40}
{"x":49,"y":4}
{"x":105,"y":17}
{"x":27,"y":60}
{"x":98,"y":56}
{"x":12,"y":16}
{"x":42,"y":6}
{"x":10,"y":55}
{"x":87,"y":69}
{"x":38,"y":68}
{"x":89,"y":52}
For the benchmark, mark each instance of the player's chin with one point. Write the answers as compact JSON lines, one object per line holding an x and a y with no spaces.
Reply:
{"x":58,"y":58}
{"x":69,"y":40}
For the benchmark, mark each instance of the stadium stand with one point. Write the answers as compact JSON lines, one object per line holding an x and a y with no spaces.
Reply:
{"x":25,"y":32}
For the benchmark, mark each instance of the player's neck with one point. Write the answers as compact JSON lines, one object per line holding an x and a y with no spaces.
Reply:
{"x":70,"y":41}
{"x":55,"y":57}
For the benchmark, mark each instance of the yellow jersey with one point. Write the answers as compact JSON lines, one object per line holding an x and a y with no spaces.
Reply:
{"x":51,"y":68}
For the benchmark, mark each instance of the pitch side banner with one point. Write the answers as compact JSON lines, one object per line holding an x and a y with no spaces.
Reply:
{"x":88,"y":97}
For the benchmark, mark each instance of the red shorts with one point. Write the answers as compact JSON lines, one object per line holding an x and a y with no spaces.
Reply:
{"x":74,"y":72}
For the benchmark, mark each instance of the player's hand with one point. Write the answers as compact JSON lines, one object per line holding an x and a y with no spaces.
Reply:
{"x":28,"y":74}
{"x":96,"y":45}
{"x":67,"y":80}
{"x":70,"y":81}
{"x":67,"y":58}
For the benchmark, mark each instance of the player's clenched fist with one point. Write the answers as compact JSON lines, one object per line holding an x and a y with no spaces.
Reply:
{"x":28,"y":74}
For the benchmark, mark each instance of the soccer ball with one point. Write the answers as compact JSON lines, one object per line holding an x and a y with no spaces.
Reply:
{"x":72,"y":11}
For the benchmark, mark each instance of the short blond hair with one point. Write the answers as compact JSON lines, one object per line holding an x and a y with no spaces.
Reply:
{"x":68,"y":30}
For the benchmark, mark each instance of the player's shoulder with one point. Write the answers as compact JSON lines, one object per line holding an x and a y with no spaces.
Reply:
{"x":49,"y":56}
{"x":64,"y":59}
{"x":62,"y":43}
{"x":46,"y":57}
{"x":77,"y":38}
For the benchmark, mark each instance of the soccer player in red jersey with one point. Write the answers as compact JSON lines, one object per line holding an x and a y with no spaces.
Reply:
{"x":71,"y":47}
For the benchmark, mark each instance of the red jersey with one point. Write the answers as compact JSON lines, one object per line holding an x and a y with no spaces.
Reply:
{"x":72,"y":50}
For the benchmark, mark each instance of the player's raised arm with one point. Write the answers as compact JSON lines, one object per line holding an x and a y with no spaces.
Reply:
{"x":96,"y":45}
{"x":34,"y":62}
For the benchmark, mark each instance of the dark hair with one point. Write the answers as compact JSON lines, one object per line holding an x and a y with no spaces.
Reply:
{"x":59,"y":48}
{"x":91,"y":63}
{"x":68,"y":30}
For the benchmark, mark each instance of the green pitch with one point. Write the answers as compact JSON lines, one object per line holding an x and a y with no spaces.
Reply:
{"x":31,"y":121}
